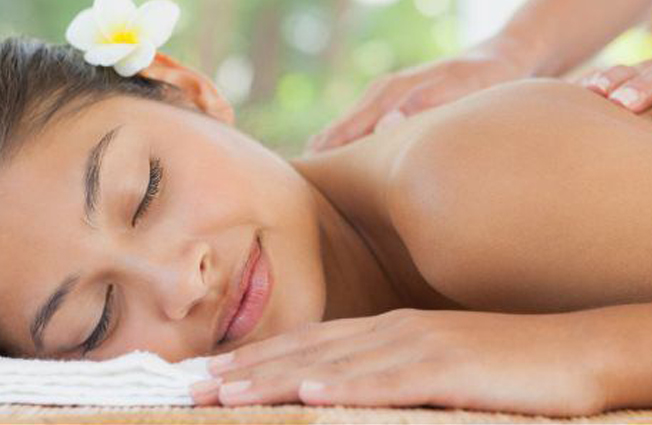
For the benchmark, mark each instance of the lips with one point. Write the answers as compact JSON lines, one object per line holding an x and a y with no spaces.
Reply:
{"x":259,"y":283}
{"x":232,"y":307}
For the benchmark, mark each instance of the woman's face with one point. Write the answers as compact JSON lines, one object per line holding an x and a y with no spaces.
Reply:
{"x":170,"y":266}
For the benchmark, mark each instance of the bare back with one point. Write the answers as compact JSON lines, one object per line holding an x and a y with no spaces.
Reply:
{"x":528,"y":197}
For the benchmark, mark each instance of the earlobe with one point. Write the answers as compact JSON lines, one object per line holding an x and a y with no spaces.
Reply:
{"x":196,"y":87}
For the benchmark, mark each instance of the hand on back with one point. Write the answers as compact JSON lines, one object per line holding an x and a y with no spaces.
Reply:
{"x":393,"y":97}
{"x":628,"y":86}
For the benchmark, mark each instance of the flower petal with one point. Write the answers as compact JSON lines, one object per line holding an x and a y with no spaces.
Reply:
{"x":138,"y":60}
{"x":108,"y":54}
{"x":155,"y":20}
{"x":113,"y":15}
{"x":83,"y":32}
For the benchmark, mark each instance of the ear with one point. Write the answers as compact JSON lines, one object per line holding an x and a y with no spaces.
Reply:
{"x":196,"y":87}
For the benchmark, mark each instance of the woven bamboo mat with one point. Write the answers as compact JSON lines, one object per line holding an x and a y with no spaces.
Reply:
{"x":289,"y":414}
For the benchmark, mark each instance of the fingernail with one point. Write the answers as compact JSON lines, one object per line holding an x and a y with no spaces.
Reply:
{"x":235,"y":387}
{"x":389,"y":120}
{"x":203,"y":388}
{"x":221,"y":363}
{"x":602,"y":83}
{"x":626,"y":95}
{"x":311,"y":387}
{"x":599,"y":81}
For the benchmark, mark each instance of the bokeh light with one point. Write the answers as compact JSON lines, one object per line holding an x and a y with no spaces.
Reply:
{"x":290,"y":67}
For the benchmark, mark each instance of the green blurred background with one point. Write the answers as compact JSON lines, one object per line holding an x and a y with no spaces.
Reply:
{"x":292,"y":66}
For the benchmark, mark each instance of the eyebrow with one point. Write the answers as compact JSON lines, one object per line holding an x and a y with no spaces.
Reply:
{"x":47,"y":310}
{"x":91,"y":195}
{"x":92,"y":173}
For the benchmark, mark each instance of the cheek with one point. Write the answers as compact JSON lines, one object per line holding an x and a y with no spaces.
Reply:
{"x":141,"y":331}
{"x":234,"y":186}
{"x":204,"y":201}
{"x":167,"y":345}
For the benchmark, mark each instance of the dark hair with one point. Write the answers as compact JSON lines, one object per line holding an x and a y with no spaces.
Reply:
{"x":37,"y":80}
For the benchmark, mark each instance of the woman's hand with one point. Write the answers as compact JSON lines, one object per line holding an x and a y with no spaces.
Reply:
{"x":395,"y":96}
{"x":628,"y":86}
{"x":536,"y":364}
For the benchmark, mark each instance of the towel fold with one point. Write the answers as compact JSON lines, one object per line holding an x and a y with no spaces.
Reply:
{"x":138,"y":378}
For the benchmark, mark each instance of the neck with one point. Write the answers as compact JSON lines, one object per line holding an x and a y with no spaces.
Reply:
{"x":356,"y":282}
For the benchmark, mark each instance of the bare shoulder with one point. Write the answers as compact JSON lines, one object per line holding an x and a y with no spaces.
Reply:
{"x":480,"y":188}
{"x":432,"y":143}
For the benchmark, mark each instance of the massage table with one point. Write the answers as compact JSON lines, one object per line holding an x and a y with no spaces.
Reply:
{"x":290,"y":414}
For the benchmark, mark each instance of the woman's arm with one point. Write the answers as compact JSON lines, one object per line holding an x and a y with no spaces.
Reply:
{"x":622,"y":343}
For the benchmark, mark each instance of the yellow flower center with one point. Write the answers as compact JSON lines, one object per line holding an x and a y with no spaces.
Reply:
{"x":124,"y":37}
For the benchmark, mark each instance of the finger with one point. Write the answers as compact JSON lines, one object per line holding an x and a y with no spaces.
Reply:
{"x":636,"y":94}
{"x":389,"y":121}
{"x":307,"y":335}
{"x":356,"y":125}
{"x":404,"y":385}
{"x":361,"y":120}
{"x":430,"y":95}
{"x":643,"y":66}
{"x":309,"y":356}
{"x":206,"y":393}
{"x":577,"y":78}
{"x":604,"y":82}
{"x":365,"y":103}
{"x":354,"y":122}
{"x":282,"y":385}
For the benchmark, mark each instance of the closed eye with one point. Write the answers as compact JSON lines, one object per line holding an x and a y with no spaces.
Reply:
{"x":153,"y":187}
{"x":99,"y":333}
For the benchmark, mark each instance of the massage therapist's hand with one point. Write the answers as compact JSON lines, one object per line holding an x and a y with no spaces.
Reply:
{"x":628,"y":86}
{"x":537,"y":364}
{"x":393,"y":97}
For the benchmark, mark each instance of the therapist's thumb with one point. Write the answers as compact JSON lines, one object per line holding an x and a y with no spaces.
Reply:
{"x":389,"y":121}
{"x":357,"y":124}
{"x":430,"y":95}
{"x":381,"y":97}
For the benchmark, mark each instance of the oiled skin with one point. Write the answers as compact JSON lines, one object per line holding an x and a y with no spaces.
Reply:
{"x":533,"y":196}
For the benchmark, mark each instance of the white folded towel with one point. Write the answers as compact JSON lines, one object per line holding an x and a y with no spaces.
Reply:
{"x":135,"y":379}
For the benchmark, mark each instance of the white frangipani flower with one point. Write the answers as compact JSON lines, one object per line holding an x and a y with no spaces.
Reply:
{"x":117,"y":33}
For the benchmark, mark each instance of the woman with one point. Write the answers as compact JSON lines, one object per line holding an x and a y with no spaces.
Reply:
{"x":472,"y":251}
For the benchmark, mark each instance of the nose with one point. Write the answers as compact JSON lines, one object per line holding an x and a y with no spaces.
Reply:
{"x":175,"y":285}
{"x":189,"y":286}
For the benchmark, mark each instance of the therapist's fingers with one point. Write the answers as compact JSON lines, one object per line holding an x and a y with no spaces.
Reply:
{"x":636,"y":93}
{"x":643,"y":66}
{"x":605,"y":81}
{"x":432,"y":94}
{"x":375,"y":103}
{"x":389,"y":121}
{"x":579,"y":77}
